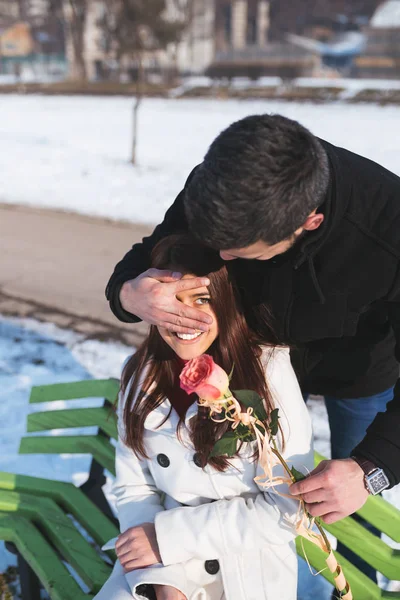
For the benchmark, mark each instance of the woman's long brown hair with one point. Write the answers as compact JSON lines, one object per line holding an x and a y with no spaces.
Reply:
{"x":235,"y":345}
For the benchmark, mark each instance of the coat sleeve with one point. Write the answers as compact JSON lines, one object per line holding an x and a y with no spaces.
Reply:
{"x":243,"y":523}
{"x":137,"y":260}
{"x":381,"y":444}
{"x":137,"y":498}
{"x":138,"y":501}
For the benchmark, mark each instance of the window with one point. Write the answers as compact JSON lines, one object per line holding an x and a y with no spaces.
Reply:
{"x":251,"y":30}
{"x":227,"y":22}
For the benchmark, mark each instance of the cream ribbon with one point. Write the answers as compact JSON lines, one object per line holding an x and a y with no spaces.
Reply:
{"x":267,"y":460}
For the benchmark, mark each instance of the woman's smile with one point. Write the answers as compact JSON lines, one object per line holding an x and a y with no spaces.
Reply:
{"x":188,"y":338}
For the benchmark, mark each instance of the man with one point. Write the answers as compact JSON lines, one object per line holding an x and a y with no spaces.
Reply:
{"x":315,"y":233}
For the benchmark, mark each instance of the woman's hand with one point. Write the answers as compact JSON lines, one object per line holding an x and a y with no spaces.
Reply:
{"x":137,"y":548}
{"x":166,"y":592}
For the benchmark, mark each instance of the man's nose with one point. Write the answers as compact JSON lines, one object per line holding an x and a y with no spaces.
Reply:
{"x":226,"y":256}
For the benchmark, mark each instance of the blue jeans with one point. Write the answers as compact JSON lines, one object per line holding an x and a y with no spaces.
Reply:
{"x":349,"y":419}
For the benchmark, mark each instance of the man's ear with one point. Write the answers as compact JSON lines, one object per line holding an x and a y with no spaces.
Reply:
{"x":313,"y":221}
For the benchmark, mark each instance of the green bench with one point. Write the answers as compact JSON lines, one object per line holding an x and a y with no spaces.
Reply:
{"x":58,"y":529}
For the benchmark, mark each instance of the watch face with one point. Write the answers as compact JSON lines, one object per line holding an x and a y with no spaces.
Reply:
{"x":377,"y":481}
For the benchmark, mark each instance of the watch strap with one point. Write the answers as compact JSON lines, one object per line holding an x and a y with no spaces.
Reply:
{"x":367,"y":466}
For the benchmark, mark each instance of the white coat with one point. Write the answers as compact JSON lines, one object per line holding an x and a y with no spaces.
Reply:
{"x":220,"y":535}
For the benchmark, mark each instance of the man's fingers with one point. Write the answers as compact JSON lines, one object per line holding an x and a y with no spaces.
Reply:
{"x":319,"y":509}
{"x":191,"y":283}
{"x":325,"y":511}
{"x":164,"y":276}
{"x":305,"y":486}
{"x":175,"y":278}
{"x":198,"y":317}
{"x":332,"y":517}
{"x":184,"y":319}
{"x":320,"y":477}
{"x":315,"y":496}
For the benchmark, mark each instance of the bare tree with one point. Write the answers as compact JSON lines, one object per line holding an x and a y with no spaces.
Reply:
{"x":184,"y":12}
{"x":136,"y":29}
{"x":73,"y":14}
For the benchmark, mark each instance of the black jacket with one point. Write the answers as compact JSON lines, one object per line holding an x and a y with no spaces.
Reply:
{"x":335,"y":296}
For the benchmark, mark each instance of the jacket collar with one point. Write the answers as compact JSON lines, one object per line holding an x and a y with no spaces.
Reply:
{"x":164,"y":418}
{"x":333,"y":208}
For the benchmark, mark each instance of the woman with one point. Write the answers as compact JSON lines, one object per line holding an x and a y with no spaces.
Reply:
{"x":195,"y":527}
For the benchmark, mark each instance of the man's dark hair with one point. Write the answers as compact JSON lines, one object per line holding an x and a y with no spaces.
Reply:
{"x":259,"y":180}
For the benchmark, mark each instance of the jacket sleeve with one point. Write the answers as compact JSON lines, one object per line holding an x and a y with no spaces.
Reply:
{"x":137,"y":260}
{"x":138,"y":502}
{"x":381,"y":445}
{"x":244,"y":523}
{"x":137,"y":498}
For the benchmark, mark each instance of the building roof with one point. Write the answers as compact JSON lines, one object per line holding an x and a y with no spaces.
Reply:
{"x":387,"y":15}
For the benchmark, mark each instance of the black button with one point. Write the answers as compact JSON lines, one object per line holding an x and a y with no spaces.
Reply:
{"x":197,"y":461}
{"x":163,"y":460}
{"x":211,"y":566}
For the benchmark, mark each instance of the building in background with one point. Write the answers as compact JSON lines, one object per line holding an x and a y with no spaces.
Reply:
{"x":37,"y":11}
{"x":244,"y":46}
{"x":192,"y":55}
{"x":381,"y":58}
{"x":222,"y":38}
{"x":31,"y":40}
{"x":196,"y":51}
{"x":16,"y":41}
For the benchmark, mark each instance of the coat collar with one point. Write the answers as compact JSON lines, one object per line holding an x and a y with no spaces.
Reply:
{"x":164,"y":418}
{"x":335,"y":205}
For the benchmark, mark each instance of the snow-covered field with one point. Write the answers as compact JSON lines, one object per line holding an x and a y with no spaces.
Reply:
{"x":34,"y":353}
{"x":72,"y":152}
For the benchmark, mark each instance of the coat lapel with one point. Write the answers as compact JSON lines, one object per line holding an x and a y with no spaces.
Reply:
{"x":165,"y":419}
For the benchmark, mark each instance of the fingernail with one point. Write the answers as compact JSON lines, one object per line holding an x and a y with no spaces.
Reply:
{"x":205,"y":282}
{"x":177,"y":275}
{"x":204,"y":328}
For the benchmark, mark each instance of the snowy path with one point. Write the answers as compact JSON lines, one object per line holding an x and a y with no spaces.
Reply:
{"x":72,"y":152}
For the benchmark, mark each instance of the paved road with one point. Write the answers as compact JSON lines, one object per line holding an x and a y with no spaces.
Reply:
{"x":55,"y":265}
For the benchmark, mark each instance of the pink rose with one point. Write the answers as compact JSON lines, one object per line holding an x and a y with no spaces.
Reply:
{"x":203,"y":377}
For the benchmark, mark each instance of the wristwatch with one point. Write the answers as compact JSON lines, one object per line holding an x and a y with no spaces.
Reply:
{"x":375,"y":479}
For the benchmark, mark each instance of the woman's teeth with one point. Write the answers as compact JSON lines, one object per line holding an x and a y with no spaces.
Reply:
{"x":188,"y":336}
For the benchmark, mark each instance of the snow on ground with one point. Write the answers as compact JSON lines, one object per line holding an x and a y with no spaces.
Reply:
{"x":33,"y":353}
{"x":72,"y":153}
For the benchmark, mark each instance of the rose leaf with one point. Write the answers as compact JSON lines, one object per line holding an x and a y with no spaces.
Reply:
{"x":225,"y":445}
{"x":298,"y":476}
{"x":249,"y":398}
{"x":274,"y":421}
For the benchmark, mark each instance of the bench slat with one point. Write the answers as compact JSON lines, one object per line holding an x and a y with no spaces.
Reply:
{"x":98,"y":446}
{"x":101,"y":417}
{"x":362,"y":586}
{"x":70,"y":498}
{"x":62,"y":533}
{"x":38,"y":553}
{"x":90,"y":388}
{"x":372,"y":549}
